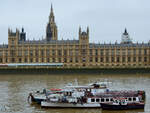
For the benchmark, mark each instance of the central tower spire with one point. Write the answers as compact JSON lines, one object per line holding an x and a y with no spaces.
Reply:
{"x":51,"y":17}
{"x":51,"y":30}
{"x":51,"y":7}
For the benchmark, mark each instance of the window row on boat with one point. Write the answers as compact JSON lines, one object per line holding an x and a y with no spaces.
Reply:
{"x":105,"y":100}
{"x":133,"y":99}
{"x":99,"y":100}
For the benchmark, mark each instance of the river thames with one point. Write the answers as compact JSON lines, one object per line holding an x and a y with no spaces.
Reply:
{"x":14,"y":90}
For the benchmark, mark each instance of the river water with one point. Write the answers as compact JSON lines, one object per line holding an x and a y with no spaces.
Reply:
{"x":14,"y":90}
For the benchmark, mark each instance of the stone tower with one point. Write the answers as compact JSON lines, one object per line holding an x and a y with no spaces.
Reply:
{"x":13,"y":39}
{"x":51,"y":29}
{"x":84,"y":36}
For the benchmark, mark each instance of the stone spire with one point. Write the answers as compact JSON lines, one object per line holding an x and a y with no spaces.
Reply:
{"x":125,"y":32}
{"x":79,"y":30}
{"x":51,"y":17}
{"x":51,"y":8}
{"x":88,"y":30}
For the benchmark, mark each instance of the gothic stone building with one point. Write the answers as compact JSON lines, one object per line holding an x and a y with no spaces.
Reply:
{"x":73,"y":53}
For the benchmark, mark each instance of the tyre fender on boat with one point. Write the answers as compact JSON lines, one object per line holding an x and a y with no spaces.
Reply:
{"x":30,"y":98}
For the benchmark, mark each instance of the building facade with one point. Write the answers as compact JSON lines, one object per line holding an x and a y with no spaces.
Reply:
{"x":73,"y":53}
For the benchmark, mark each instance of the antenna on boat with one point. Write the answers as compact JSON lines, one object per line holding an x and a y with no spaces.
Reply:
{"x":76,"y":82}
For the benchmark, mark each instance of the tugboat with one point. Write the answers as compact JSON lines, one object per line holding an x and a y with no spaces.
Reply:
{"x":124,"y":104}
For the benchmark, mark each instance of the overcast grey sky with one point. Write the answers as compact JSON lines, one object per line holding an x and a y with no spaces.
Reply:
{"x":105,"y":18}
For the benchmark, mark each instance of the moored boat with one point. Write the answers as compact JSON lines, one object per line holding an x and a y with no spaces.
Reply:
{"x":91,"y":88}
{"x":124,"y":104}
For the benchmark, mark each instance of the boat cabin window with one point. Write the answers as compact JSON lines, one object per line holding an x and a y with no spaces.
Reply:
{"x":97,"y":100}
{"x":68,"y":94}
{"x":111,"y":99}
{"x":129,"y":99}
{"x":92,"y":100}
{"x":134,"y":99}
{"x":107,"y":100}
{"x":102,"y":100}
{"x":88,"y":89}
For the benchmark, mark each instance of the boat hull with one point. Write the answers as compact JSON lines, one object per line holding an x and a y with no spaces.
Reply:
{"x":36,"y":98}
{"x":38,"y":101}
{"x":68,"y":105}
{"x":121,"y":107}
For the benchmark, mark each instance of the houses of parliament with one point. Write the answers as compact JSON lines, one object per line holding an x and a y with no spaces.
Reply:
{"x":73,"y":53}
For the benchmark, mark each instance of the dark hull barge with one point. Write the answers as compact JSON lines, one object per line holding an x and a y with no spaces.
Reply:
{"x":122,"y":107}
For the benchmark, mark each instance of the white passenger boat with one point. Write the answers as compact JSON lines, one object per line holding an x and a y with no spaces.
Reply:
{"x":93,"y":88}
